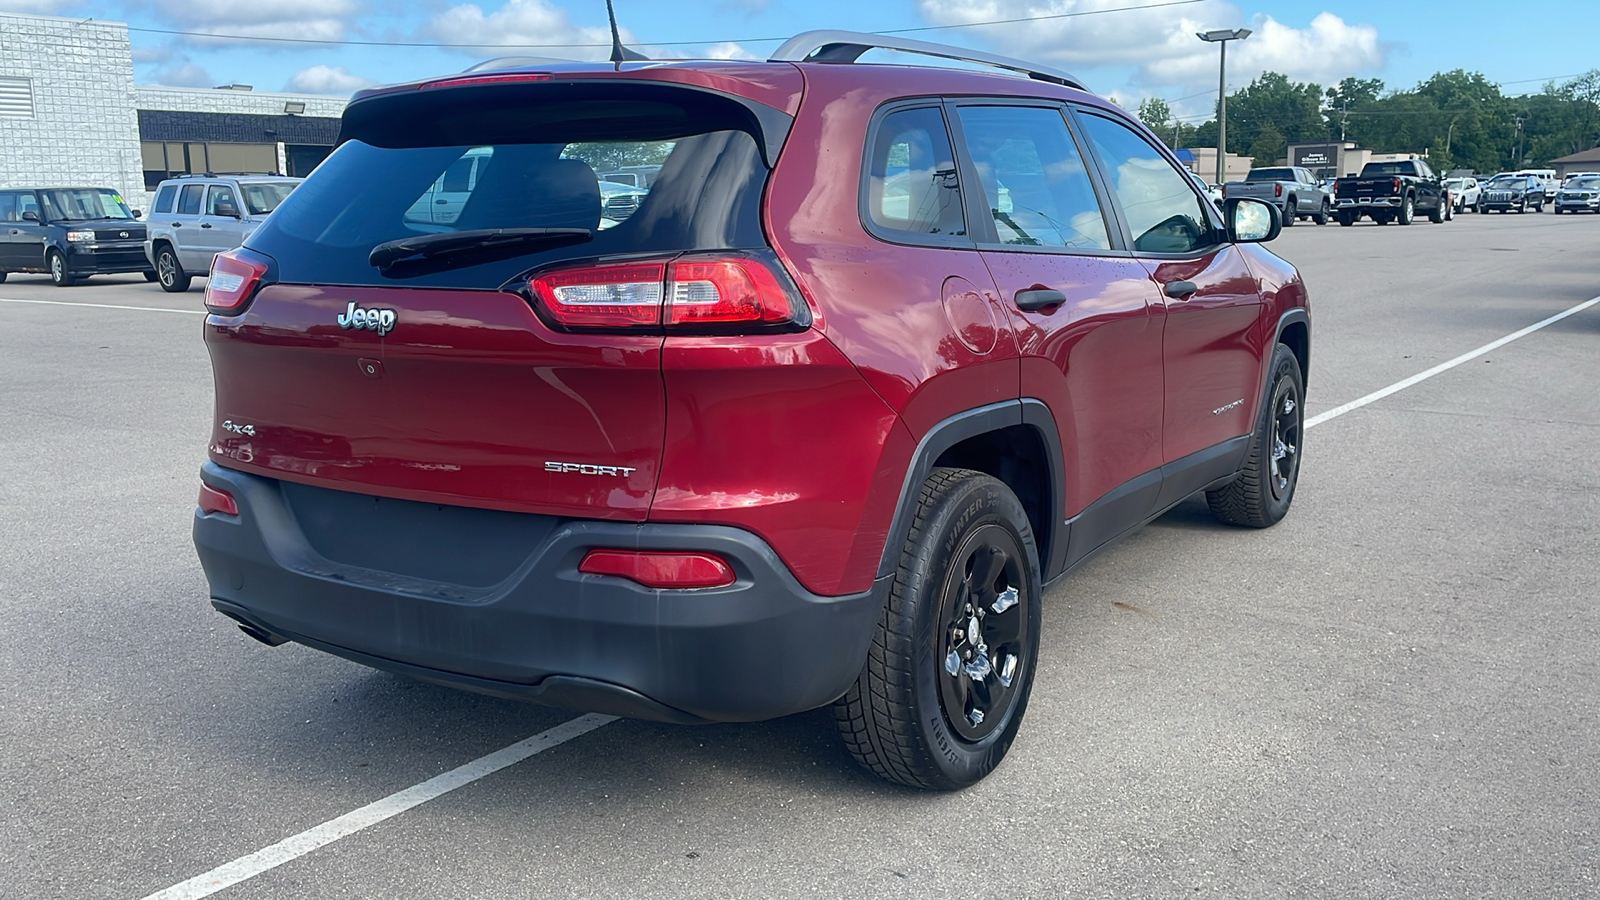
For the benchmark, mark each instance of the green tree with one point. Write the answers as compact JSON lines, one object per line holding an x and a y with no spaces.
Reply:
{"x":1269,"y":146}
{"x":1155,"y":114}
{"x":1292,"y":112}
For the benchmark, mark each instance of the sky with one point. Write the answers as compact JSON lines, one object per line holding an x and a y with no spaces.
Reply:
{"x":1126,"y":54}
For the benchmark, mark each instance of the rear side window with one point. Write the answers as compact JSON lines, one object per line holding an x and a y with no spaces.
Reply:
{"x":164,"y":199}
{"x":8,"y":207}
{"x":1162,"y":210}
{"x":911,"y":185}
{"x":521,"y":158}
{"x":189,"y":200}
{"x":1038,"y":190}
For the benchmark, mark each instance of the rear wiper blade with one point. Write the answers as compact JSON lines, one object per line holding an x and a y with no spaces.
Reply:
{"x":426,"y":246}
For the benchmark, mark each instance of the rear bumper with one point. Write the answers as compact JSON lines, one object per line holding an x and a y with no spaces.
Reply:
{"x":1367,"y":202}
{"x":760,"y":648}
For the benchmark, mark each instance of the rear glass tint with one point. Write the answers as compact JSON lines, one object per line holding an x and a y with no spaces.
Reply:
{"x":540,"y":170}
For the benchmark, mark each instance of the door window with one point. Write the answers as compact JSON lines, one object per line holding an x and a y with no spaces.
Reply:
{"x":220,"y":196}
{"x":27,"y":202}
{"x":1163,"y":212}
{"x":8,"y":207}
{"x":189,"y":200}
{"x":912,"y":187}
{"x":1038,"y":192}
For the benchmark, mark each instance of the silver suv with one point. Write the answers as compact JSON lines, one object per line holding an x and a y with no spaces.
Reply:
{"x":195,"y":217}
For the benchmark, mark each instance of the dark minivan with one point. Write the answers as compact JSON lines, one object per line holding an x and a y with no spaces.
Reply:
{"x":70,"y":233}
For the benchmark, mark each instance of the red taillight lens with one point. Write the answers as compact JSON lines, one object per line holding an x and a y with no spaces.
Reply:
{"x":695,"y":292}
{"x":1396,"y":185}
{"x":235,"y":275}
{"x":215,"y":501}
{"x":1277,"y":190}
{"x":722,"y":291}
{"x":622,"y":296}
{"x":658,"y":569}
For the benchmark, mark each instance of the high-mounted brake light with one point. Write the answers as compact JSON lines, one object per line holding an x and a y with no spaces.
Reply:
{"x":506,"y":78}
{"x":215,"y":501}
{"x":659,"y":569}
{"x":716,"y":292}
{"x":235,"y":275}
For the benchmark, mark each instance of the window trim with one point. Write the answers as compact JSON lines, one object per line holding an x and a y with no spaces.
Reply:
{"x":988,"y":239}
{"x":863,"y":193}
{"x":1206,"y":208}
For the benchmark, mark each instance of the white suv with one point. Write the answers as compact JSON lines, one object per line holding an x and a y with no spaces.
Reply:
{"x":195,"y":217}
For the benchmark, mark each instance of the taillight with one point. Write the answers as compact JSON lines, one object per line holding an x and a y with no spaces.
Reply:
{"x":1277,"y":190}
{"x":725,"y":291}
{"x":618,"y":296}
{"x":1396,"y":182}
{"x":721,"y":292}
{"x":215,"y":501}
{"x":659,"y":569}
{"x":235,"y":275}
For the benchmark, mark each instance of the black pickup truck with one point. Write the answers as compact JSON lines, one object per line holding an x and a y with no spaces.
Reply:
{"x":1392,"y":192}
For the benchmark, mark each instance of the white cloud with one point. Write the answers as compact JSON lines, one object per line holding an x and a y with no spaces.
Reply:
{"x":325,"y":20}
{"x":1160,"y":44}
{"x":533,"y":24}
{"x":182,"y":75}
{"x":728,"y":50}
{"x":321,"y":79}
{"x":46,"y":7}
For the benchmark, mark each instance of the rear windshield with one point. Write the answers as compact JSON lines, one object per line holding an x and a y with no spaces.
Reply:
{"x":381,"y":186}
{"x":1394,"y":168}
{"x":1270,"y":175}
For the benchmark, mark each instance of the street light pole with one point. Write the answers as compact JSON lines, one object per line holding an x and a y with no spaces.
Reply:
{"x":1222,"y":37}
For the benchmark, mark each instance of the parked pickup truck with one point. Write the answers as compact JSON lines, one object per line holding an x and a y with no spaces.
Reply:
{"x":1293,"y":190}
{"x":1392,"y":192}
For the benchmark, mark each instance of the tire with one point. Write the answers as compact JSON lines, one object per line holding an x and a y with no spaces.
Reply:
{"x":1261,"y":495}
{"x":1321,"y":217}
{"x":1408,"y":211}
{"x":1436,"y":216}
{"x":1289,"y":217}
{"x":2,"y":278}
{"x":1346,"y":220}
{"x":60,"y":274}
{"x":907,"y":718}
{"x":149,"y":275}
{"x":169,"y":274}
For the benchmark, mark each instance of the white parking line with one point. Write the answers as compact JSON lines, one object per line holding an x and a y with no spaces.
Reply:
{"x":296,"y":846}
{"x":1401,"y":385}
{"x":299,"y":845}
{"x":187,"y":312}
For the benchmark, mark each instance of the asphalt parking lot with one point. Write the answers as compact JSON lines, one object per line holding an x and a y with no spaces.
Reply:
{"x":1394,"y":693}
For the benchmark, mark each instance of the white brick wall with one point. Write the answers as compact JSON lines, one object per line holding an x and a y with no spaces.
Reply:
{"x":259,"y":103}
{"x":84,"y":130}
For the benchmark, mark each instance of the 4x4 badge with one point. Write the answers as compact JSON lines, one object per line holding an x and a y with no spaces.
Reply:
{"x":380,"y":320}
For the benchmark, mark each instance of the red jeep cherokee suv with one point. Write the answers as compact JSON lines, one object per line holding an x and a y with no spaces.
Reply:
{"x":879,"y":353}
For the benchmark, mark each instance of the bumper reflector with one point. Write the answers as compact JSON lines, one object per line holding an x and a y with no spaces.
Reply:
{"x":215,"y":501}
{"x":659,"y":569}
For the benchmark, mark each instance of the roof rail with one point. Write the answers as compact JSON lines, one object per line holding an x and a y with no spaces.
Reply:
{"x":847,"y":47}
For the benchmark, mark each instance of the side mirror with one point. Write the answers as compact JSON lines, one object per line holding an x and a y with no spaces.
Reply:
{"x":138,"y":213}
{"x":226,"y":209}
{"x":30,"y":216}
{"x":1251,"y":221}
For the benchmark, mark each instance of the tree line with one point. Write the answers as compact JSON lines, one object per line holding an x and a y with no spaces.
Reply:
{"x":1460,"y":119}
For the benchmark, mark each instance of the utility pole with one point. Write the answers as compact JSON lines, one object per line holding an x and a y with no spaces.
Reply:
{"x":1222,"y":37}
{"x":1517,"y":152}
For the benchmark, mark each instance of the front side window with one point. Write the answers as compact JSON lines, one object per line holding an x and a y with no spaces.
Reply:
{"x":8,"y":208}
{"x":1038,"y":191}
{"x":912,"y":186}
{"x":1163,"y":212}
{"x":218,"y":198}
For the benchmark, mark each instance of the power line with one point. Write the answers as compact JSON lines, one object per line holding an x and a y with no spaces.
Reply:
{"x":701,"y":43}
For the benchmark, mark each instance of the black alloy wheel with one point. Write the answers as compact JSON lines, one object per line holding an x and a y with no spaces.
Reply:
{"x":1261,"y":495}
{"x":945,"y":684}
{"x":985,"y":636}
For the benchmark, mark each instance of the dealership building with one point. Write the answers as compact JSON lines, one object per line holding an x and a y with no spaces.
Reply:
{"x":70,"y":115}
